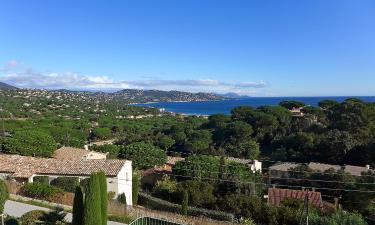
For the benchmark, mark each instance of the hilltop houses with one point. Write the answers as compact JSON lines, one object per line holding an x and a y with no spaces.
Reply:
{"x":24,"y":169}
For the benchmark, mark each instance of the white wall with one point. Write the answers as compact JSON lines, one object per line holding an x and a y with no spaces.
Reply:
{"x":124,"y":183}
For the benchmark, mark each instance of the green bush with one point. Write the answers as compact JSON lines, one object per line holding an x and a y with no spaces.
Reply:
{"x":121,"y":219}
{"x":4,"y":195}
{"x":41,"y":179}
{"x":122,"y":198}
{"x":68,"y":184}
{"x":159,"y":204}
{"x":40,"y":191}
{"x":11,"y":221}
{"x":31,"y":217}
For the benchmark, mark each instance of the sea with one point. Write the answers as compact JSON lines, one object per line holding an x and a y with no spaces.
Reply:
{"x":225,"y":106}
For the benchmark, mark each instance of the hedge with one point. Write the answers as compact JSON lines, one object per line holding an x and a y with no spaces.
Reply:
{"x":30,"y":218}
{"x":40,"y":191}
{"x":68,"y":184}
{"x":160,"y":204}
{"x":41,"y":179}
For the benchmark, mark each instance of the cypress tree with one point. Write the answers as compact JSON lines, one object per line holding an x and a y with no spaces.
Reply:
{"x":103,"y":197}
{"x":92,"y":211}
{"x":78,"y":208}
{"x":136,"y":182}
{"x":185,"y":203}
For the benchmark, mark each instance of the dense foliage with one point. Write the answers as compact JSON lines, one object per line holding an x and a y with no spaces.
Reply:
{"x":4,"y":195}
{"x":40,"y":191}
{"x":68,"y":184}
{"x":143,"y":155}
{"x":30,"y":143}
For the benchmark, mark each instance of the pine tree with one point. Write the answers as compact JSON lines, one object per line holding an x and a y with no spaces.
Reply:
{"x":78,"y":208}
{"x":185,"y":203}
{"x":103,"y":197}
{"x":92,"y":211}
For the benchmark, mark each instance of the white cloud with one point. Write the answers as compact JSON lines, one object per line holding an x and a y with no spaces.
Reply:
{"x":29,"y":78}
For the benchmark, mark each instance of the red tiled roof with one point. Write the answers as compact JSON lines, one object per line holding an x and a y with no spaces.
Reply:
{"x":277,"y":195}
{"x":24,"y":166}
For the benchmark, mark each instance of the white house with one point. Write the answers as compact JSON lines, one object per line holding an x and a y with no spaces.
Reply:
{"x":254,"y":165}
{"x":24,"y":169}
{"x":69,"y":153}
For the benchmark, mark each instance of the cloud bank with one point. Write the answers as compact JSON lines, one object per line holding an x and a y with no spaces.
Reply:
{"x":13,"y":74}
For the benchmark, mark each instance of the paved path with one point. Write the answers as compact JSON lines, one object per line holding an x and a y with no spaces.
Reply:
{"x":17,"y":209}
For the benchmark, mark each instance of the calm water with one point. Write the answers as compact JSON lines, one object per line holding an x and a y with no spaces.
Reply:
{"x":225,"y":106}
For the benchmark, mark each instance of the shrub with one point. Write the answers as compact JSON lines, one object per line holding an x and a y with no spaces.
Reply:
{"x":121,"y":219}
{"x":111,"y":194}
{"x":159,"y":204}
{"x":122,"y":198}
{"x":41,"y":179}
{"x":31,"y":217}
{"x":185,"y":203}
{"x":68,"y":184}
{"x":40,"y":191}
{"x":4,"y":195}
{"x":11,"y":221}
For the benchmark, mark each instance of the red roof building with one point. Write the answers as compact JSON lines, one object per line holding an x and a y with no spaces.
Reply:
{"x":277,"y":195}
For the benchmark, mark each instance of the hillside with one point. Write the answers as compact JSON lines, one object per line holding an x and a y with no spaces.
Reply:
{"x":135,"y":95}
{"x":4,"y":86}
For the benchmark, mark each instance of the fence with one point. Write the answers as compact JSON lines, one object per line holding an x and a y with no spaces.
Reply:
{"x":152,"y":221}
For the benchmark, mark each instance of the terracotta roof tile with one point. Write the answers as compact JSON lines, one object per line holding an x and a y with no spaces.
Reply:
{"x":277,"y":195}
{"x":69,"y":153}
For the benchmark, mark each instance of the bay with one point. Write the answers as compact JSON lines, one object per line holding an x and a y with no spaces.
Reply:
{"x":225,"y":106}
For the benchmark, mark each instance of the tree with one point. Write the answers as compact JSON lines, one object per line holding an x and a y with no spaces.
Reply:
{"x":30,"y":143}
{"x":137,"y":152}
{"x":166,"y":142}
{"x":339,"y":218}
{"x":292,"y":104}
{"x":200,"y":193}
{"x":4,"y":195}
{"x":166,"y":188}
{"x":185,"y":203}
{"x":327,"y":104}
{"x":103,"y":197}
{"x":78,"y":208}
{"x":199,"y":142}
{"x":92,"y":210}
{"x":136,"y":185}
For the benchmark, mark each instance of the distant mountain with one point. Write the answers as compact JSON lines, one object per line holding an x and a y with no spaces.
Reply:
{"x":4,"y":86}
{"x":233,"y":95}
{"x":135,"y":95}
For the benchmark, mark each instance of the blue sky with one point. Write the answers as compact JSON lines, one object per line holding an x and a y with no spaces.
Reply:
{"x":254,"y":47}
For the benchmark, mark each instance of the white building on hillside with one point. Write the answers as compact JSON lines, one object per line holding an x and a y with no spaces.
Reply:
{"x":25,"y":169}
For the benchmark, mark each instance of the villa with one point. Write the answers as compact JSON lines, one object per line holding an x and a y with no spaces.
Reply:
{"x":24,"y":169}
